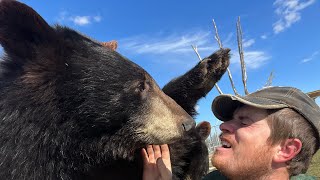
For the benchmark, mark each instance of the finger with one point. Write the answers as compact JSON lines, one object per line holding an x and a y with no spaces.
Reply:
{"x":144,"y":155}
{"x":157,"y":151}
{"x":165,"y":173}
{"x":165,"y":151}
{"x":151,"y":154}
{"x":166,"y":155}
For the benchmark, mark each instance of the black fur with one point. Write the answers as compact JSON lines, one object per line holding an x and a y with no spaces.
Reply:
{"x":70,"y":108}
{"x":190,"y":154}
{"x":68,"y":105}
{"x":187,"y":89}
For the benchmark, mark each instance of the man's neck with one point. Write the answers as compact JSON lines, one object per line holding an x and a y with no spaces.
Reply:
{"x":278,"y":174}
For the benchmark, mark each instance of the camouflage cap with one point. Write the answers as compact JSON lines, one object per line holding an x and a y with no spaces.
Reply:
{"x":224,"y":105}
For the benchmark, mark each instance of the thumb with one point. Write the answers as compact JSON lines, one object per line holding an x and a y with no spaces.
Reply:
{"x":165,"y":173}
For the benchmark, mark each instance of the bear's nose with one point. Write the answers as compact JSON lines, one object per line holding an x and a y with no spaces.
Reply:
{"x":188,"y":125}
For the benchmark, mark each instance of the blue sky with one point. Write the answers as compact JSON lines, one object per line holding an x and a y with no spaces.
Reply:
{"x":279,"y":35}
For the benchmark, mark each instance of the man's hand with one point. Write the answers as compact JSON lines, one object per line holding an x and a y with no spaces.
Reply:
{"x":157,"y":164}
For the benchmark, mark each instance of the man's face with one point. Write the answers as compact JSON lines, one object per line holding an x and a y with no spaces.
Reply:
{"x":244,"y":151}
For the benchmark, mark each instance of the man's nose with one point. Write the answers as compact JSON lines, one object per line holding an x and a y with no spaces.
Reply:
{"x":227,"y":127}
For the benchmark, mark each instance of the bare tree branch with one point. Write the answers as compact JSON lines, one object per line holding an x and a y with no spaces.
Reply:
{"x":217,"y":35}
{"x":195,"y":48}
{"x":218,"y":88}
{"x":232,"y":83}
{"x":243,"y":65}
{"x":269,"y":82}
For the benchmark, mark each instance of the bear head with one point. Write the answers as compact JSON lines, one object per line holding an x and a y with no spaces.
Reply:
{"x":72,"y":102}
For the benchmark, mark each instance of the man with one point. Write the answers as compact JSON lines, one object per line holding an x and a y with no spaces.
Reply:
{"x":269,"y":134}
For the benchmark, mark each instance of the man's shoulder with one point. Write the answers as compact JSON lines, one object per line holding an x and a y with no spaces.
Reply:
{"x":302,"y":177}
{"x":214,"y":175}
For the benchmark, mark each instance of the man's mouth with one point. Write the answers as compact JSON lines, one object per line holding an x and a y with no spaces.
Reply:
{"x":225,"y":144}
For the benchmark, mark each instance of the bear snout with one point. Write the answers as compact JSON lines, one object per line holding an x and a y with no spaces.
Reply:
{"x":188,"y":124}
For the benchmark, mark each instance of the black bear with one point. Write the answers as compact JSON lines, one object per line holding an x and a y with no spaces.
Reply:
{"x":69,"y":105}
{"x":73,"y":109}
{"x":190,"y":154}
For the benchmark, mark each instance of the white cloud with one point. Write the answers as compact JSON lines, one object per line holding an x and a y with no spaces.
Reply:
{"x":264,"y":36}
{"x":81,"y":20}
{"x":310,"y":57}
{"x":253,"y":59}
{"x":97,"y":18}
{"x":289,"y":13}
{"x":177,"y":45}
{"x":174,"y":44}
{"x":230,"y":38}
{"x":64,"y":16}
{"x":248,"y":43}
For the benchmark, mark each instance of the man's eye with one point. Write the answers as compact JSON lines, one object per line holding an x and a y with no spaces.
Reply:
{"x":244,"y":124}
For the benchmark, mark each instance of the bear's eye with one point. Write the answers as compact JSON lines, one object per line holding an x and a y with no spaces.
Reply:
{"x":143,"y":87}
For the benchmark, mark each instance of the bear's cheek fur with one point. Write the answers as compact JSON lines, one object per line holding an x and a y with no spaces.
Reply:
{"x":158,"y":124}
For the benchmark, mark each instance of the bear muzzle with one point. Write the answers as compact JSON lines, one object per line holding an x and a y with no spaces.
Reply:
{"x":188,"y":124}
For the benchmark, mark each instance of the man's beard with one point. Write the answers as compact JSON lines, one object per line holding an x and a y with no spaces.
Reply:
{"x":256,"y":166}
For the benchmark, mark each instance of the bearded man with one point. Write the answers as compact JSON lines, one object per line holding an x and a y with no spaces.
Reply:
{"x":269,"y":134}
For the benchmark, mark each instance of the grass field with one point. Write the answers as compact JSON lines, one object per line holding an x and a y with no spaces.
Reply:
{"x":314,"y":168}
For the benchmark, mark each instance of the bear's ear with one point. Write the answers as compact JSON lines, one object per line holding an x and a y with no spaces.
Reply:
{"x":204,"y":129}
{"x":111,"y":45}
{"x":22,"y":29}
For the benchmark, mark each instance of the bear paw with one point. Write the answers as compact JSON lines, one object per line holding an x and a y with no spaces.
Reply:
{"x":214,"y":66}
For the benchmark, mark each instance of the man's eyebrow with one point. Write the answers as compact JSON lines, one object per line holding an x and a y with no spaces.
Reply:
{"x":242,"y":117}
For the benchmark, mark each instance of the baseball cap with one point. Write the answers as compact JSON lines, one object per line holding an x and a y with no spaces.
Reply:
{"x":276,"y":97}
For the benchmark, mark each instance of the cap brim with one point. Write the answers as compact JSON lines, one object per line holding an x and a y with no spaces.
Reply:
{"x":224,"y":105}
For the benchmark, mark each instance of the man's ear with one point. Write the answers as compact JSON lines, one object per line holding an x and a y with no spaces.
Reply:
{"x":204,"y":129}
{"x":22,"y":29}
{"x":287,"y":150}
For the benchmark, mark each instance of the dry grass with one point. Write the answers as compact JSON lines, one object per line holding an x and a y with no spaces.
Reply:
{"x":314,"y":168}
